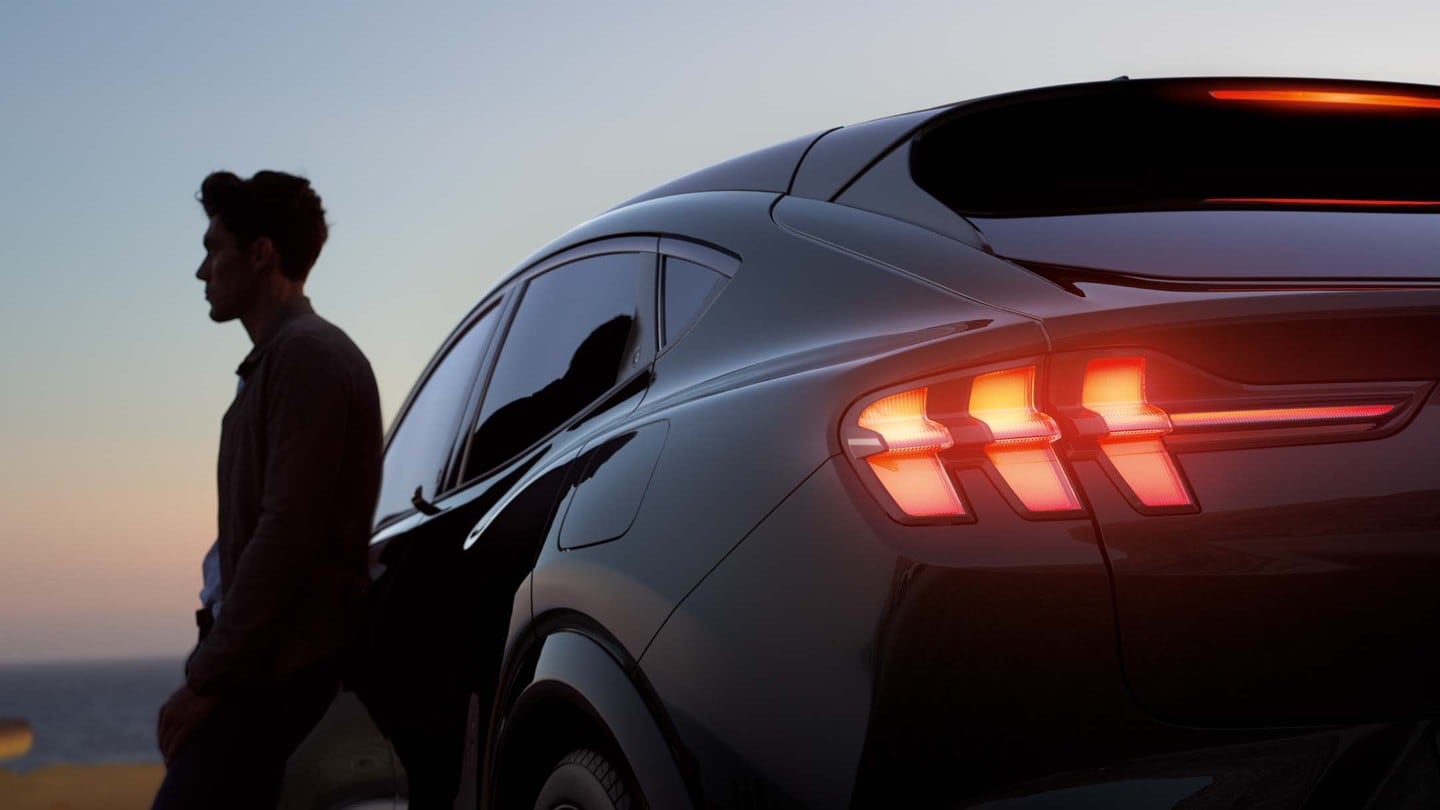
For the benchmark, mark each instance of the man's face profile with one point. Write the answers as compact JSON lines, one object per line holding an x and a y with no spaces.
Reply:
{"x":230,"y":274}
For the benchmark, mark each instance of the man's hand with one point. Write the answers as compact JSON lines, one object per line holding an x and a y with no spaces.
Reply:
{"x":181,"y":715}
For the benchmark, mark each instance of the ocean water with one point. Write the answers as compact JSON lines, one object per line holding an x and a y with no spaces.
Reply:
{"x":88,"y":712}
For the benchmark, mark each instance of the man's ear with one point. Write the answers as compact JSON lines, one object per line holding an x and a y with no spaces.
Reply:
{"x":263,"y":255}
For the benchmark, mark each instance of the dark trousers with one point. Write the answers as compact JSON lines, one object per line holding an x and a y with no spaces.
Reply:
{"x":236,"y":757}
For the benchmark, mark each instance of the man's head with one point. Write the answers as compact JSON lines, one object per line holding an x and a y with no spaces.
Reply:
{"x":264,"y":231}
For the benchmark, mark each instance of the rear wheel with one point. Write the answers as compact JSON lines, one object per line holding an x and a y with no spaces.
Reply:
{"x":584,"y":780}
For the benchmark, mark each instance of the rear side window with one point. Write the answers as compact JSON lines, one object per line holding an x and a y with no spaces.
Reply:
{"x":1192,"y":146}
{"x":685,"y":289}
{"x":570,"y":342}
{"x":420,"y":446}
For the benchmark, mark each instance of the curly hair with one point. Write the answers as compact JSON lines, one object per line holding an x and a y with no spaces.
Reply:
{"x":276,"y":205}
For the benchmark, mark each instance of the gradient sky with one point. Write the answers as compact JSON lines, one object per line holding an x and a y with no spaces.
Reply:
{"x":448,"y":141}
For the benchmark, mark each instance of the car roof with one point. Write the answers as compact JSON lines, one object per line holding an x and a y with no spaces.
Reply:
{"x":821,"y":164}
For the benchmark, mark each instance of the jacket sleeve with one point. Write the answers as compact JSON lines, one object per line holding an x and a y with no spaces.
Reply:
{"x":306,"y":412}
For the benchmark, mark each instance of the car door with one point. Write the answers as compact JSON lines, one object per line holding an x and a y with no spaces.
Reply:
{"x":575,"y":347}
{"x":402,"y":628}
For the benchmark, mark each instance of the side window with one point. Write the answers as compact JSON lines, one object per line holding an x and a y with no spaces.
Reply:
{"x":570,"y":342}
{"x":685,"y":288}
{"x":423,"y":440}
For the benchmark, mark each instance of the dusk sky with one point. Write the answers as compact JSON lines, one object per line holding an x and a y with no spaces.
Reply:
{"x":448,"y":142}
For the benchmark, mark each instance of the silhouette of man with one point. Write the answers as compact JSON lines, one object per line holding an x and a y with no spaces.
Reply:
{"x":298,"y":477}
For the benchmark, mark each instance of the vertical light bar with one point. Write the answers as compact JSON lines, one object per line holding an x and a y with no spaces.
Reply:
{"x":910,"y":468}
{"x":1115,"y":390}
{"x":1021,"y":449}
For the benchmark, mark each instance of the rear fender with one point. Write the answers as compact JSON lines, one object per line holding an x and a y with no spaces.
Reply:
{"x":572,"y":686}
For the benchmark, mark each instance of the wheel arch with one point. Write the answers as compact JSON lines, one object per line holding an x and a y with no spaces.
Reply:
{"x":568,"y":684}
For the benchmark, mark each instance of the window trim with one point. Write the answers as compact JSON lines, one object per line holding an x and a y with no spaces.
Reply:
{"x":722,"y":262}
{"x":498,"y":302}
{"x":505,"y":299}
{"x":476,"y":312}
{"x":646,"y":245}
{"x":460,"y":444}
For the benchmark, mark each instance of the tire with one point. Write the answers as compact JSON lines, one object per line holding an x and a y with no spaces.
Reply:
{"x":584,"y":780}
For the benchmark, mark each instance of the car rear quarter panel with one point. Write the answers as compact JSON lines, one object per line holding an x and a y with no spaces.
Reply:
{"x":980,"y":660}
{"x":1302,"y":589}
{"x":837,"y":658}
{"x":752,"y":396}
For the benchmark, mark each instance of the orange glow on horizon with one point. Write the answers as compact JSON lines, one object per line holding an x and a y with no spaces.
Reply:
{"x":1328,"y":97}
{"x":16,"y":738}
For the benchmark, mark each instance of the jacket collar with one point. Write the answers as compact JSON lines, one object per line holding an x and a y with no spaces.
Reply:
{"x":289,"y":311}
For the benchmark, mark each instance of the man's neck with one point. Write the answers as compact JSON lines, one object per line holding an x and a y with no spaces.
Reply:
{"x":268,"y":306}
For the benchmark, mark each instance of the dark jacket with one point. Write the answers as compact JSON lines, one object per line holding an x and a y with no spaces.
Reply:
{"x":298,"y":476}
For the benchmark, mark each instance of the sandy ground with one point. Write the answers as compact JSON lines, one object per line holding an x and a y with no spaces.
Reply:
{"x":80,"y":787}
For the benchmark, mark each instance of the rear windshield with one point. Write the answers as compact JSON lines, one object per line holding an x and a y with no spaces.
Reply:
{"x":1141,"y":147}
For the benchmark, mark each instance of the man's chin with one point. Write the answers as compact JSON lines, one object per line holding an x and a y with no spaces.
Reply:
{"x":219,"y":315}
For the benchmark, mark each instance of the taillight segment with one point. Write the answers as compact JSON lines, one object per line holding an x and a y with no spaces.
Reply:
{"x":912,"y":443}
{"x":1105,"y":406}
{"x":1022,"y":438}
{"x":909,"y":466}
{"x":1114,"y":390}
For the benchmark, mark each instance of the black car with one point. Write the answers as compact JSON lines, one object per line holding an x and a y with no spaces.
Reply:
{"x":1071,"y":447}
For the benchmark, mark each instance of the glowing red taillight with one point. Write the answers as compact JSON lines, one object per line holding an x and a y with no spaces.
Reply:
{"x":1132,"y":437}
{"x":909,"y":467}
{"x":1115,"y":391}
{"x":1000,"y":424}
{"x":916,"y":444}
{"x":1021,"y":450}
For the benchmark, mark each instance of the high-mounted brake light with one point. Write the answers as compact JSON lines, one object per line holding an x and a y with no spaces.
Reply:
{"x":1022,"y":448}
{"x":1115,"y":390}
{"x":1328,"y":97}
{"x":1325,"y":202}
{"x":909,"y":466}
